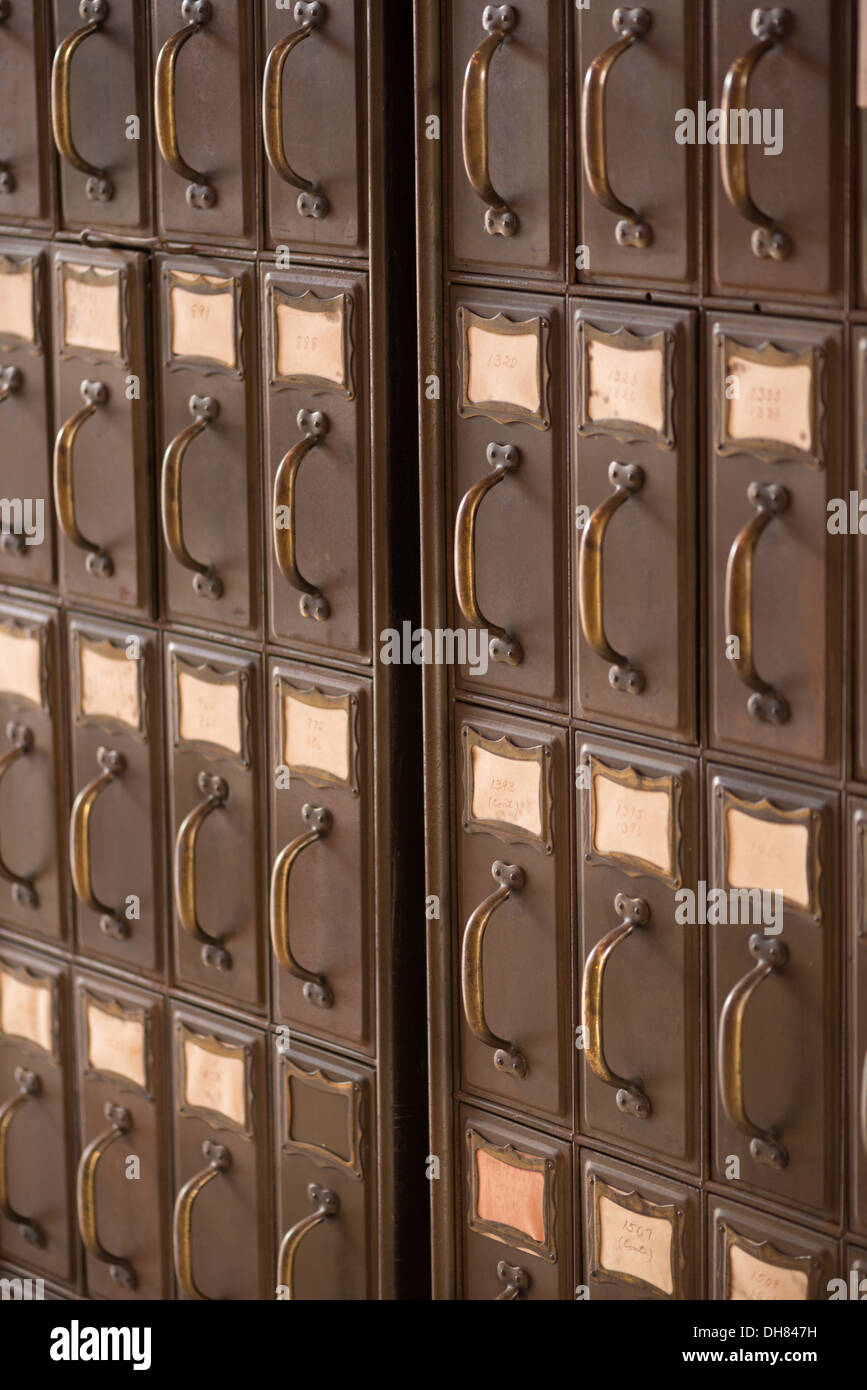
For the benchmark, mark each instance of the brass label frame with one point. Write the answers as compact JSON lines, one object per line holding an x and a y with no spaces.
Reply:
{"x":630,"y":778}
{"x":19,"y":627}
{"x":632,"y":1201}
{"x":729,"y":1238}
{"x":311,"y":303}
{"x":318,"y":699}
{"x":209,"y":1042}
{"x":192,"y":282}
{"x":510,"y":1235}
{"x":107,"y":646}
{"x":767,"y":354}
{"x":350,"y":1091}
{"x":216,"y":676}
{"x":622,"y":338}
{"x":504,"y":747}
{"x":19,"y":265}
{"x":762,"y":810}
{"x":33,"y":979}
{"x":126,"y":1013}
{"x":505,"y":412}
{"x":101,"y":276}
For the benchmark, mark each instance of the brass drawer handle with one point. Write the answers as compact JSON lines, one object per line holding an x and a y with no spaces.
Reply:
{"x":99,"y":188}
{"x":200,"y":194}
{"x":767,"y":240}
{"x":312,"y":202}
{"x":626,"y":479}
{"x":314,"y":426}
{"x":219,"y":1160}
{"x":11,"y":380}
{"x":113,"y":765}
{"x":327,"y":1205}
{"x":498,"y":21}
{"x":316,"y":991}
{"x":29,"y":1086}
{"x":120,"y":1123}
{"x":631,"y":230}
{"x":206,"y":582}
{"x":630,"y":1098}
{"x":516,"y":1280}
{"x":769,"y":500}
{"x":21,"y":738}
{"x":99,"y":562}
{"x":509,"y":879}
{"x":215,"y":791}
{"x":770,"y":956}
{"x":503,"y":458}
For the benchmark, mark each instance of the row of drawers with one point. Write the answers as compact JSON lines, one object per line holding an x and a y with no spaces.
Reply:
{"x":657,"y":958}
{"x":89,"y":341}
{"x":199,"y":1155}
{"x":132,"y":762}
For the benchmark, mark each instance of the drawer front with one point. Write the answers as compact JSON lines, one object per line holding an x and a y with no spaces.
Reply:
{"x":221,"y":1222}
{"x":775,"y":980}
{"x":27,"y":549}
{"x":314,"y":108}
{"x":35,"y":1127}
{"x":25,"y":161}
{"x":116,"y":820}
{"x":640,"y":953}
{"x":208,"y":443}
{"x":505,"y":80}
{"x":509,"y":480}
{"x":642,"y":1234}
{"x":101,"y":113}
{"x":633,"y":382}
{"x":517,"y":1211}
{"x":788,"y":240}
{"x":775,"y":649}
{"x":756,"y":1258}
{"x":317,"y":510}
{"x":102,"y":419}
{"x":204,"y":119}
{"x":123,"y":1165}
{"x":857,"y":526}
{"x":326,"y":1183}
{"x":32,"y":832}
{"x":216,"y":819}
{"x":651,"y":234}
{"x":856,"y":974}
{"x":321,"y":905}
{"x":513,"y":911}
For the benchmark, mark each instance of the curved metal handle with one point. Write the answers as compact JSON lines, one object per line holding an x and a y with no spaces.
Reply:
{"x":507,"y":1057}
{"x":219,"y":1160}
{"x":120,"y":1122}
{"x":314,"y":426}
{"x":768,"y":240}
{"x":112,"y":920}
{"x":98,"y":562}
{"x":631,"y":230}
{"x":326,"y":1204}
{"x":769,"y":500}
{"x":21,"y":736}
{"x":29,"y":1085}
{"x":503,"y":458}
{"x":770,"y":956}
{"x":215,"y":791}
{"x":627,"y":479}
{"x":630,"y":1098}
{"x":200,"y":193}
{"x":498,"y":21}
{"x":206,"y":582}
{"x":11,"y":380}
{"x":516,"y":1280}
{"x":316,"y":991}
{"x":99,"y":188}
{"x":312,"y":202}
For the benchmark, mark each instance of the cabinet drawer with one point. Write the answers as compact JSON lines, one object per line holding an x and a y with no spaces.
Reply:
{"x":116,"y":822}
{"x":637,"y":205}
{"x":26,"y":165}
{"x":633,"y":378}
{"x":775,"y":981}
{"x":505,"y":83}
{"x":509,"y":487}
{"x":856,"y":974}
{"x":755,"y":1258}
{"x":513,"y":911}
{"x":322,"y":886}
{"x":517,"y":1202}
{"x":123,"y":1167}
{"x":314,"y":111}
{"x":216,"y":819}
{"x":208,"y":443}
{"x":317,"y":510}
{"x":221,"y":1222}
{"x":102,"y":473}
{"x":775,"y":583}
{"x":326,"y":1162}
{"x":640,"y":956}
{"x":100,"y":109}
{"x":35,"y":1128}
{"x":642,"y":1234}
{"x":27,"y":549}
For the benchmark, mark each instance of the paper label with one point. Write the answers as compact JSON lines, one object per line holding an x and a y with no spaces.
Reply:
{"x":507,"y":790}
{"x":92,"y":311}
{"x":311,"y":343}
{"x":209,"y":713}
{"x":772,"y":402}
{"x":755,"y":1281}
{"x":769,"y":855}
{"x":16,"y":303}
{"x":21,"y":665}
{"x":109,"y":685}
{"x":26,"y":1011}
{"x":636,"y":1244}
{"x":316,"y":738}
{"x":632,"y":822}
{"x":215,"y":1082}
{"x":626,"y":384}
{"x":511,"y":1196}
{"x":203,"y":325}
{"x":503,"y":368}
{"x":117,"y":1046}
